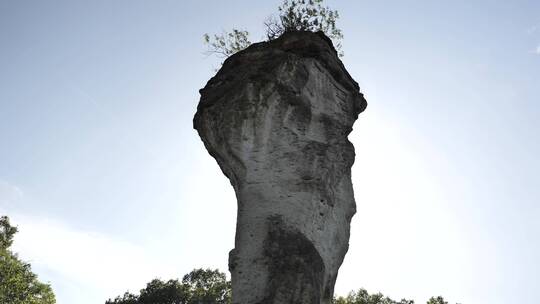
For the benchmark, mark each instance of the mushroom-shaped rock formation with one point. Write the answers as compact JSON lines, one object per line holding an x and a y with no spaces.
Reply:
{"x":276,"y":118}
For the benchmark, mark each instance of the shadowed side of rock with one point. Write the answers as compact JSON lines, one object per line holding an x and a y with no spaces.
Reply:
{"x":276,"y":118}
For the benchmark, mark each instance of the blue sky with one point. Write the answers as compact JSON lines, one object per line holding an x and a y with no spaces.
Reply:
{"x":111,"y":186}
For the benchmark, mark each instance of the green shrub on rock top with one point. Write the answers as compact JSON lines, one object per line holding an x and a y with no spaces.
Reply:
{"x":293,"y":15}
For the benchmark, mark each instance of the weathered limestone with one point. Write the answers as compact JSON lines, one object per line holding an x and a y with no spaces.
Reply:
{"x":276,"y":118}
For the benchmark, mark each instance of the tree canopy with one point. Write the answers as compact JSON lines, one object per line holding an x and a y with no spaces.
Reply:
{"x":200,"y":286}
{"x":363,"y":297}
{"x":437,"y":300}
{"x":18,"y":284}
{"x":206,"y":286}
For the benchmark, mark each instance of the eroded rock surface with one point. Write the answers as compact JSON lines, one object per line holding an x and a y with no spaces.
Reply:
{"x":276,"y":118}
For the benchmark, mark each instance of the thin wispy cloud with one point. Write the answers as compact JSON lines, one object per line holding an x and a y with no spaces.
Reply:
{"x":96,"y":261}
{"x":9,"y":193}
{"x":535,"y":51}
{"x":534,"y":30}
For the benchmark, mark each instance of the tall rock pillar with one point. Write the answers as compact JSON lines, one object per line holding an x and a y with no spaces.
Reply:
{"x":276,"y":118}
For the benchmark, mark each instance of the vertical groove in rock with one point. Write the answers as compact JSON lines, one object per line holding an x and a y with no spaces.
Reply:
{"x":276,"y":118}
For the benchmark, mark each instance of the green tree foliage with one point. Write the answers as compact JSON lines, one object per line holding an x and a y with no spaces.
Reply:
{"x":6,"y":232}
{"x":18,"y":284}
{"x":293,"y":15}
{"x":208,"y":286}
{"x":437,"y":300}
{"x":363,"y":297}
{"x":197,"y":287}
{"x":305,"y":15}
{"x":226,"y":44}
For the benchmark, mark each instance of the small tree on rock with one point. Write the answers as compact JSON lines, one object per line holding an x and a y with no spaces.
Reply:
{"x":293,"y":15}
{"x":226,"y":44}
{"x":302,"y":15}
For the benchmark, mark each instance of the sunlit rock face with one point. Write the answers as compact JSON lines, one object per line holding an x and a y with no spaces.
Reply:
{"x":276,"y":118}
